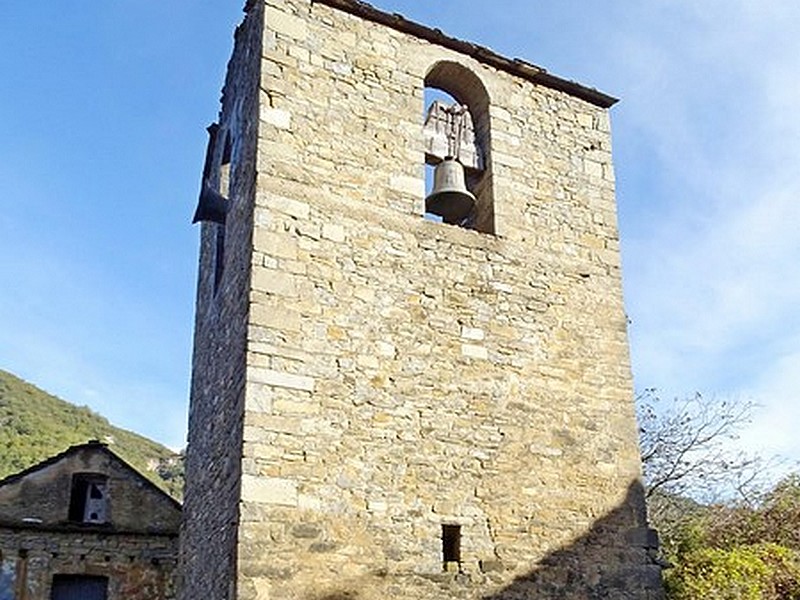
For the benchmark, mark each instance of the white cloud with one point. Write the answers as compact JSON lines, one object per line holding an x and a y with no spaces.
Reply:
{"x":713,"y":269}
{"x":777,"y":392}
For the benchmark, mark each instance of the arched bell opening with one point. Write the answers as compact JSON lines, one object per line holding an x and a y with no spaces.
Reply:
{"x":457,"y":148}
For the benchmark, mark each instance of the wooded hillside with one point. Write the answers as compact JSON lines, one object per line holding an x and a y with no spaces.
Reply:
{"x":35,"y":425}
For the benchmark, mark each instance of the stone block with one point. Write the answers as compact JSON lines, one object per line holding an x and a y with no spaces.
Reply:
{"x":644,"y":537}
{"x":273,"y":244}
{"x":286,"y":24}
{"x":288,"y":206}
{"x":275,"y":316}
{"x":333,"y":232}
{"x":412,"y":186}
{"x":473,"y":351}
{"x":280,"y":379}
{"x":472,"y":333}
{"x":593,"y":168}
{"x":282,"y":119}
{"x":275,"y":282}
{"x":269,"y":490}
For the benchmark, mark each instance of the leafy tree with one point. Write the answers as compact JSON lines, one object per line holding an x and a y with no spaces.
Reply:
{"x":688,"y":460}
{"x":727,"y":535}
{"x":749,"y":572}
{"x":774,"y":517}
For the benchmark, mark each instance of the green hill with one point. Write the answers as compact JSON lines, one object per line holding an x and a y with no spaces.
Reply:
{"x":35,"y":425}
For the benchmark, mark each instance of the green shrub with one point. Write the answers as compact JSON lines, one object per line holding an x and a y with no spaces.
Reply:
{"x":747,"y":572}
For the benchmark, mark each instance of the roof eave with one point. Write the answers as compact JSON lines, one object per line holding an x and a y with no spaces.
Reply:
{"x":515,"y":66}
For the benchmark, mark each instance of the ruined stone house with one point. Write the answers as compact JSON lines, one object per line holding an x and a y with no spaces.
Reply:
{"x":387,"y":406}
{"x":85,"y":525}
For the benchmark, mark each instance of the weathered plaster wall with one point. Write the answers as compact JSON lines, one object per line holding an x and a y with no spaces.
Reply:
{"x":137,"y":567}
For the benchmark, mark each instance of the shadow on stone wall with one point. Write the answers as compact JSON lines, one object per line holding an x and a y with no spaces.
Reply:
{"x":614,"y":560}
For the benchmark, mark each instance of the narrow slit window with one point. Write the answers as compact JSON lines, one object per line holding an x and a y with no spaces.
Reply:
{"x":451,"y":544}
{"x":224,"y":190}
{"x":219,"y":256}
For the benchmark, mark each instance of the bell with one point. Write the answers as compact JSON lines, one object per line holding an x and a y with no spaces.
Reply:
{"x":450,"y":198}
{"x":211,"y":206}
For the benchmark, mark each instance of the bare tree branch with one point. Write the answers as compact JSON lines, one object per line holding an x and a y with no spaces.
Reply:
{"x":687,"y":447}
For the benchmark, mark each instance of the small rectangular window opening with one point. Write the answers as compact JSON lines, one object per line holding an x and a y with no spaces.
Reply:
{"x":451,"y":544}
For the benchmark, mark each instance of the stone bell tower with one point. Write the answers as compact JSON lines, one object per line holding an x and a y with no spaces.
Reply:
{"x":389,"y":404}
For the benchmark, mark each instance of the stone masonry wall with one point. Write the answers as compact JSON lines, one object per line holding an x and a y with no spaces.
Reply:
{"x":213,"y":458}
{"x":137,"y":567}
{"x":403,"y":374}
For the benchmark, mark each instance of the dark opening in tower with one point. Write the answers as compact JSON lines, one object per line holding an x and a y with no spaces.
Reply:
{"x":451,"y":545}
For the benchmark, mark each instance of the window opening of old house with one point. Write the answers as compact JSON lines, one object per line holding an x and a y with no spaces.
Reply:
{"x":451,"y":545}
{"x":89,"y":498}
{"x":456,"y":135}
{"x":79,"y":587}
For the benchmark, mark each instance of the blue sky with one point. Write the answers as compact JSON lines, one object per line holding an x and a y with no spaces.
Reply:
{"x":106,"y":104}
